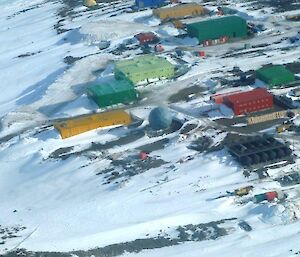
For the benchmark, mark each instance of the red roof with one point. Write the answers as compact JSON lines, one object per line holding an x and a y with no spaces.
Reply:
{"x":146,"y":36}
{"x":224,"y":94}
{"x":255,"y":94}
{"x":219,"y":98}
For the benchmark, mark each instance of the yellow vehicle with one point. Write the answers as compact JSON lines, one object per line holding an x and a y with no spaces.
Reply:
{"x":243,"y":191}
{"x":76,"y":126}
{"x":284,"y":127}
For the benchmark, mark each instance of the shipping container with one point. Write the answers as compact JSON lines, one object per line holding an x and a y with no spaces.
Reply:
{"x":113,"y":92}
{"x":249,"y":101}
{"x":260,"y":198}
{"x":179,"y":11}
{"x":275,"y":75}
{"x":224,"y":27}
{"x":76,"y":126}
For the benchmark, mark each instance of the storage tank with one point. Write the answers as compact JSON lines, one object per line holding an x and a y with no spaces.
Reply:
{"x":160,"y":118}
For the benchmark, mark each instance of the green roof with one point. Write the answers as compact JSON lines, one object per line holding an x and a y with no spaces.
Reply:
{"x":142,"y":63}
{"x":275,"y":75}
{"x":113,"y":92}
{"x":110,"y":87}
{"x":231,"y":26}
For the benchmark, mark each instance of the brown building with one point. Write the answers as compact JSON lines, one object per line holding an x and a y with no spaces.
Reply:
{"x":179,"y":11}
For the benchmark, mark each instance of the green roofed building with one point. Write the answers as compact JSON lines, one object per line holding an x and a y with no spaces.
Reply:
{"x":113,"y":92}
{"x":143,"y":68}
{"x":228,"y":26}
{"x":275,"y":75}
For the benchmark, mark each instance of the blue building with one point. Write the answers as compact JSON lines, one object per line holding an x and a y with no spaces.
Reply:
{"x":149,"y":3}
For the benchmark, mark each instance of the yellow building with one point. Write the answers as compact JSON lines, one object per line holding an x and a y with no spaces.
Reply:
{"x":179,"y":11}
{"x":76,"y":126}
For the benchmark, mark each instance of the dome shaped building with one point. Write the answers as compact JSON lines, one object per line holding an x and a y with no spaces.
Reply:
{"x":160,"y":118}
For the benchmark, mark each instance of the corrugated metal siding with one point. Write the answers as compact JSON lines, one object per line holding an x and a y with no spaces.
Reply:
{"x":179,"y":11}
{"x":219,"y":98}
{"x":275,"y":75}
{"x":143,"y":68}
{"x":109,"y":94}
{"x":230,"y":26}
{"x":251,"y":101}
{"x":76,"y":126}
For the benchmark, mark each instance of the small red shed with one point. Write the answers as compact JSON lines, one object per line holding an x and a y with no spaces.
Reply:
{"x":201,"y":53}
{"x":159,"y":48}
{"x":145,"y":38}
{"x":271,"y":196}
{"x":249,"y":101}
{"x":143,"y":155}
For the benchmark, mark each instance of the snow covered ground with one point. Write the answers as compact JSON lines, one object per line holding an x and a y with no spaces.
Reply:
{"x":76,"y":194}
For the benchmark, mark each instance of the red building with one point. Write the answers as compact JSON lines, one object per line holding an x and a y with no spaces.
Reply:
{"x":249,"y":101}
{"x":147,"y":38}
{"x":219,"y":98}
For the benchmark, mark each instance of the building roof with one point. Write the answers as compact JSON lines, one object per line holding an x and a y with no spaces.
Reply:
{"x":145,"y":34}
{"x":142,"y":63}
{"x":248,"y":96}
{"x":150,"y":2}
{"x":210,"y":29}
{"x":90,"y":119}
{"x":274,"y":71}
{"x":179,"y":7}
{"x":224,"y":94}
{"x":110,"y":87}
{"x":216,"y":23}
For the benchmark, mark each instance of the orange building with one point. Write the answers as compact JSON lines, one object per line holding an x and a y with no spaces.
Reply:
{"x":76,"y":126}
{"x":179,"y":11}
